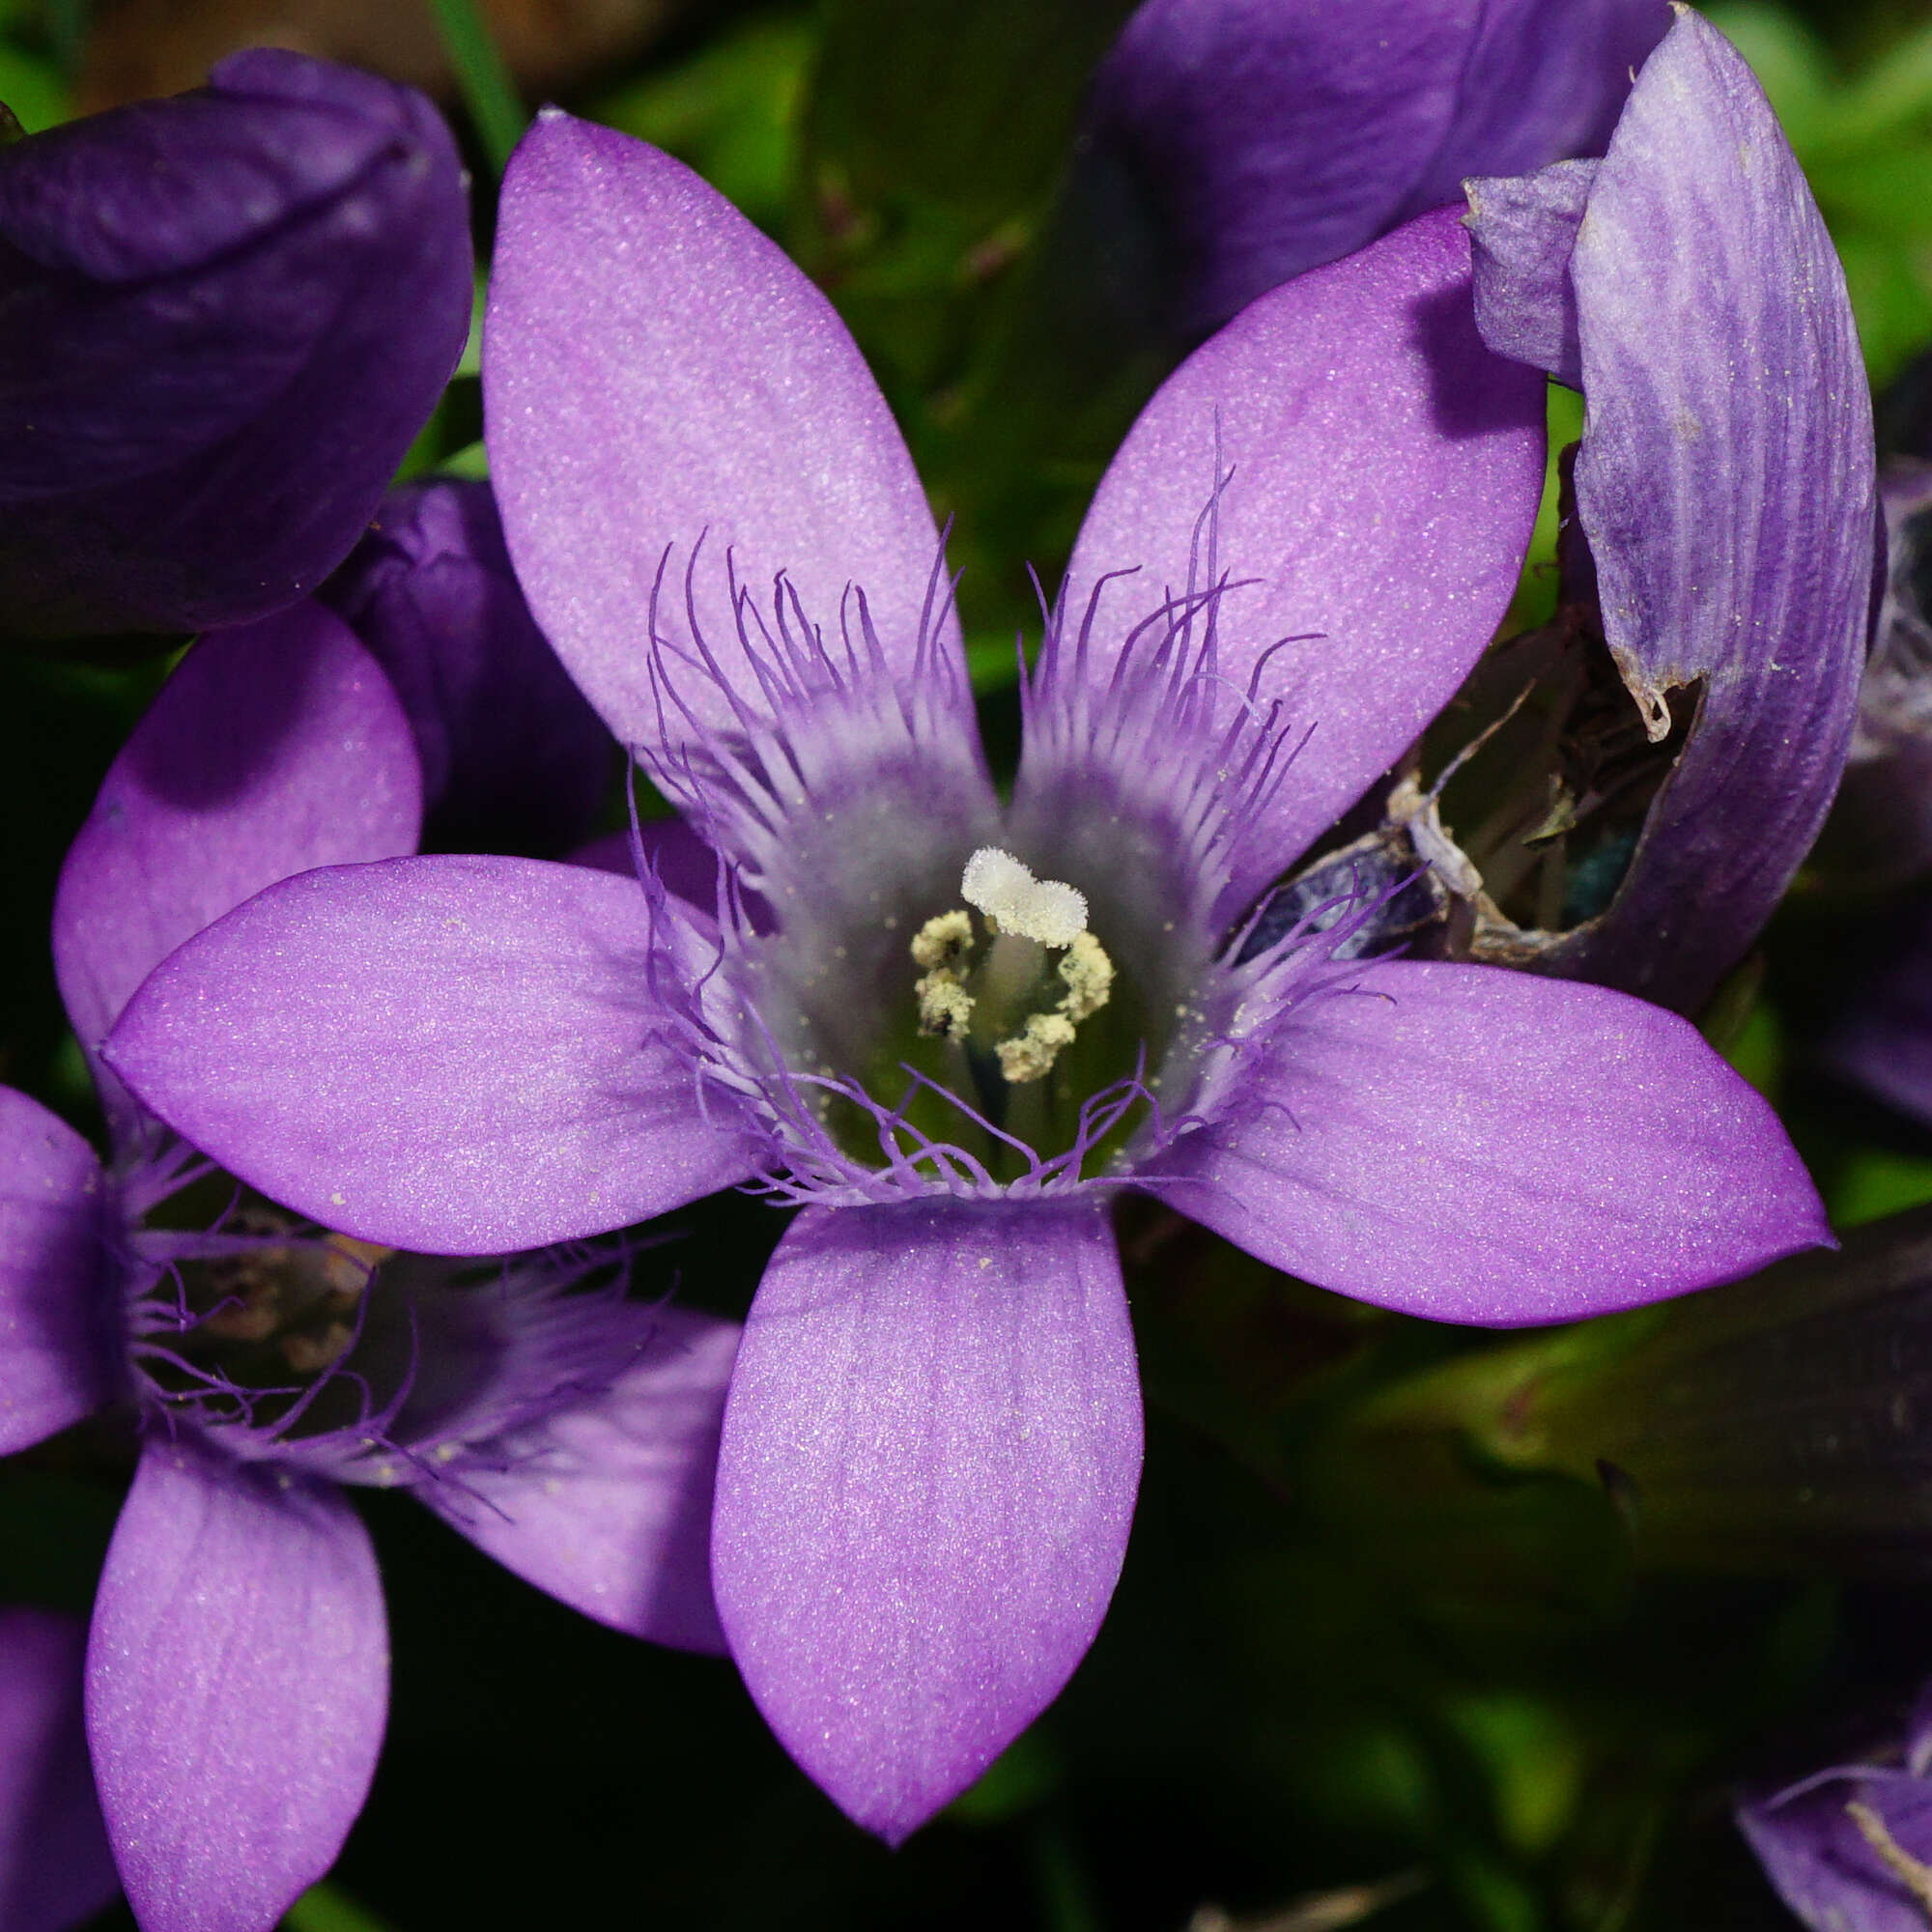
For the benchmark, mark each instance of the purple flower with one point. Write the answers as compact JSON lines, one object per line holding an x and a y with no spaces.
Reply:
{"x":55,"y":1868}
{"x":513,"y":758}
{"x":952,"y":1030}
{"x":1724,"y":484}
{"x":223,"y":317}
{"x":1264,"y":137}
{"x":238,"y":1662}
{"x":1850,"y":1849}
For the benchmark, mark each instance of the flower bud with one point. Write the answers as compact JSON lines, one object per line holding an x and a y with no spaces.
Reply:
{"x":223,"y":317}
{"x":513,"y":757}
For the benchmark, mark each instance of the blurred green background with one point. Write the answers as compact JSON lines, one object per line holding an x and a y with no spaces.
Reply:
{"x":1384,"y":1651}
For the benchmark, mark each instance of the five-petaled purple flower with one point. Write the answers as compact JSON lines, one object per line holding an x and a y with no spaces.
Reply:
{"x":952,"y":1027}
{"x":238,"y":1665}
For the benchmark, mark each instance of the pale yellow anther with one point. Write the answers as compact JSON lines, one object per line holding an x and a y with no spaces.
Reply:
{"x":1088,"y":975}
{"x":1030,"y":1055}
{"x":945,"y":1005}
{"x":943,"y":940}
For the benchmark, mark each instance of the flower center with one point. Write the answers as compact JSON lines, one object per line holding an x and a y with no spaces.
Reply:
{"x":262,"y":1306}
{"x":1008,"y":1003}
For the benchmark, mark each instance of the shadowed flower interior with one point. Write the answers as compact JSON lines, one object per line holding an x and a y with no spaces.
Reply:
{"x":921,"y":990}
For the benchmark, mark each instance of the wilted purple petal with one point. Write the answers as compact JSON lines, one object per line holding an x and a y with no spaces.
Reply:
{"x":1726,"y":485}
{"x":606,"y":1504}
{"x":1383,"y":474}
{"x":1523,"y":233}
{"x":57,"y":1296}
{"x":276,"y":746}
{"x":1473,"y":1145}
{"x":656,"y":372}
{"x":931,"y":1449}
{"x":514,"y":759}
{"x":55,"y":1868}
{"x":1270,"y":136}
{"x":456,"y":1055}
{"x":237,"y":1686}
{"x":224,"y":318}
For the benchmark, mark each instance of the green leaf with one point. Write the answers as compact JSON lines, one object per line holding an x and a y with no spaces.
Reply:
{"x":1872,"y":1183}
{"x":327,"y":1908}
{"x":33,"y":89}
{"x":482,"y":79}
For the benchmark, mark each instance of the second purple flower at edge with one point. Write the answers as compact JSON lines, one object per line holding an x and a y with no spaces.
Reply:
{"x":932,"y":1436}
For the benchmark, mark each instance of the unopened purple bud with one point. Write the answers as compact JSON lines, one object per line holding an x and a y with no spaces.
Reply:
{"x":1260,"y":138}
{"x":513,"y":757}
{"x":223,"y":317}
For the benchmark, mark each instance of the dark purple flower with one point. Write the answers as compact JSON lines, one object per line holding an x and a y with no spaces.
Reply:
{"x":223,"y":317}
{"x":238,"y":1667}
{"x":1264,"y":137}
{"x":952,"y":1030}
{"x":513,"y":758}
{"x":1850,"y":1848}
{"x":55,"y":1868}
{"x":1724,"y":486}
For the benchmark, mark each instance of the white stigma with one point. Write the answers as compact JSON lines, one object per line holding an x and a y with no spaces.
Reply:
{"x":1004,"y":889}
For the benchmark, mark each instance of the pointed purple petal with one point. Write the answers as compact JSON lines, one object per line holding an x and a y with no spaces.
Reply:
{"x":657,"y":371}
{"x":238,"y":1679}
{"x":57,"y":1297}
{"x":1385,"y":475}
{"x":273,"y":748}
{"x":1474,"y":1145}
{"x":456,"y":1055}
{"x":1523,"y":233}
{"x":55,"y":1868}
{"x":606,"y":1504}
{"x":931,"y":1450}
{"x":1726,"y":484}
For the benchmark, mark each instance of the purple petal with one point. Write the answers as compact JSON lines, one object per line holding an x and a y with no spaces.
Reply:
{"x":1820,"y":1862}
{"x":684,"y":862}
{"x":657,"y":372}
{"x":273,"y":748}
{"x":55,"y":1868}
{"x":1270,"y":136}
{"x":222,"y":317}
{"x":238,"y":1678}
{"x":606,"y":1504}
{"x":1545,"y":82}
{"x":57,"y":1295}
{"x":514,"y":759}
{"x":457,"y":1055}
{"x":1474,"y":1145}
{"x":1385,"y":470}
{"x":1726,"y":484}
{"x":1523,"y":233}
{"x":931,"y":1449}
